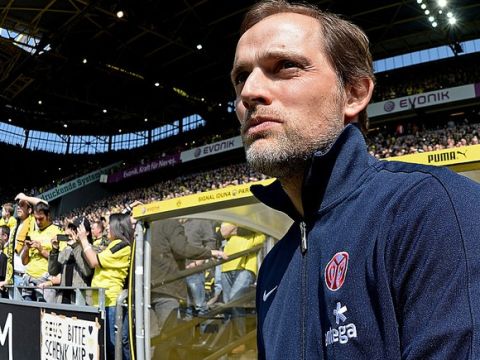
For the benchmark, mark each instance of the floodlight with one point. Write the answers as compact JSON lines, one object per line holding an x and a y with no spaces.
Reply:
{"x":452,"y":20}
{"x":199,"y":47}
{"x":427,"y":12}
{"x":423,"y":6}
{"x":449,"y":14}
{"x":419,"y":1}
{"x":120,"y":14}
{"x":431,"y":18}
{"x":442,"y":3}
{"x":434,"y":24}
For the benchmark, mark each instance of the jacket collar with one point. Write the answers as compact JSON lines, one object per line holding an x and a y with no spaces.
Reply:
{"x":330,"y":176}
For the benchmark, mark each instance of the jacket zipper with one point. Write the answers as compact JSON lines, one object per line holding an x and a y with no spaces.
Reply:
{"x":303,"y":233}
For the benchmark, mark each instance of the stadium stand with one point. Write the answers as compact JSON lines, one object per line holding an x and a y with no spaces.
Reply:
{"x":85,"y":91}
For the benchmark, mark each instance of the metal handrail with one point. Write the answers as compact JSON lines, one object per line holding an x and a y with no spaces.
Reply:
{"x":197,"y":269}
{"x":14,"y":293}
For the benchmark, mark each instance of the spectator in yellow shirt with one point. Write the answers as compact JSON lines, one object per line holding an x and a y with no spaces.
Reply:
{"x":35,"y":253}
{"x":238,"y":275}
{"x":111,"y":269}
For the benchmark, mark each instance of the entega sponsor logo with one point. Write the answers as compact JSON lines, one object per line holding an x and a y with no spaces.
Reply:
{"x":344,"y":332}
{"x":340,"y":335}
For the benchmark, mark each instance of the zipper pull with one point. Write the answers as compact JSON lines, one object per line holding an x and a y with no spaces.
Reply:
{"x":303,"y":232}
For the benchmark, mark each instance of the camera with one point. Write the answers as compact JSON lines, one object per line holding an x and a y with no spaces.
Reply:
{"x":62,"y":237}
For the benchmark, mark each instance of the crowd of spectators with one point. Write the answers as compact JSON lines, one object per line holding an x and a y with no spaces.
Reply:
{"x":58,"y":258}
{"x":411,"y":138}
{"x":184,"y":185}
{"x":426,"y":77}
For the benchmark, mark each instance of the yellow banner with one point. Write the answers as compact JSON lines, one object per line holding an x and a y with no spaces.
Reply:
{"x":229,"y":193}
{"x":454,"y":156}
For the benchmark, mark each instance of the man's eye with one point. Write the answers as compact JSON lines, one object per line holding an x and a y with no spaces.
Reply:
{"x":240,"y":78}
{"x":287,"y":64}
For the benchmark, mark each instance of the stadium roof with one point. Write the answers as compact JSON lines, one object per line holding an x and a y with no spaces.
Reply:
{"x":76,"y":63}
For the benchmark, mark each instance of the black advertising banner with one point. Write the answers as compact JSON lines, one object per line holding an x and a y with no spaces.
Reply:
{"x":19,"y":326}
{"x":31,"y":332}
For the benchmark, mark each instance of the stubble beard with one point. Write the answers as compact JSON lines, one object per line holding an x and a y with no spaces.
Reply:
{"x":285,"y":155}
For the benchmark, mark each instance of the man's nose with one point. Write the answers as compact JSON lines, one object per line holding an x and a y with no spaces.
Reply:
{"x":256,"y":90}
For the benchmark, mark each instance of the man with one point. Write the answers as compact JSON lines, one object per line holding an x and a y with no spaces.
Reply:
{"x":100,"y":240}
{"x":382,"y":260}
{"x":199,"y":233}
{"x":37,"y":248}
{"x":26,"y":223}
{"x":171,"y":249}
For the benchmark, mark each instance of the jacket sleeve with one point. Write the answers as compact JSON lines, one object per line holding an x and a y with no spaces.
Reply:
{"x":426,"y":262}
{"x":179,"y":245}
{"x":54,"y":267}
{"x":208,"y":235}
{"x":82,"y":264}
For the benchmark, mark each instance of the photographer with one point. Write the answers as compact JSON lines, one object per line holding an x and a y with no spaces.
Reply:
{"x":69,"y":266}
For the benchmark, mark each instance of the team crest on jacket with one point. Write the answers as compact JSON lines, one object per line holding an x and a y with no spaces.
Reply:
{"x":336,"y":271}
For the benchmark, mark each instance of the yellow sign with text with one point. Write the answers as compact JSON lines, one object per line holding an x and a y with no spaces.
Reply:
{"x":204,"y":199}
{"x":447,"y":157}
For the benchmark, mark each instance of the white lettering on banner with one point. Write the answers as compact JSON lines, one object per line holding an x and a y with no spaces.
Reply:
{"x":211,"y":149}
{"x":148,"y":167}
{"x":75,"y":184}
{"x":218,"y":147}
{"x":7,"y":331}
{"x":68,"y":338}
{"x":416,"y":101}
{"x":411,"y":102}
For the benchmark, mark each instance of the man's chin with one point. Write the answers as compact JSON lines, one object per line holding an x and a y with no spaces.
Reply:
{"x":258,"y":143}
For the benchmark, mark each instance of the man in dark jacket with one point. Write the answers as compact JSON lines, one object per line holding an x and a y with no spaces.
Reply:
{"x":170,"y":249}
{"x":383,"y":259}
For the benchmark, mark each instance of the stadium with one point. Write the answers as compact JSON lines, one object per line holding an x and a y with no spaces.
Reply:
{"x":117,"y":108}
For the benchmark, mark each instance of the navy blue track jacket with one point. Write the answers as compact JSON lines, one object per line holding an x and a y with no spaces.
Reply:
{"x":385,"y":264}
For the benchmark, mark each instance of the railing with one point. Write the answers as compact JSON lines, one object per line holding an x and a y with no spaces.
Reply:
{"x":81,"y":294}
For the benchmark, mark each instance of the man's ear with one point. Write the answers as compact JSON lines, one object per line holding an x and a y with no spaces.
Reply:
{"x":358,"y":96}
